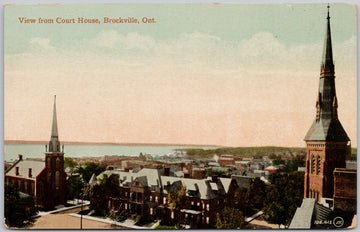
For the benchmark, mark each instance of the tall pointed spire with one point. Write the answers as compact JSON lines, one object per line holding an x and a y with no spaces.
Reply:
{"x":327,"y":59}
{"x":54,"y":144}
{"x":54,"y":130}
{"x":326,"y":126}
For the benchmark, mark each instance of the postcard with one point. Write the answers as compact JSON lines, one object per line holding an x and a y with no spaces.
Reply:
{"x":180,"y":116}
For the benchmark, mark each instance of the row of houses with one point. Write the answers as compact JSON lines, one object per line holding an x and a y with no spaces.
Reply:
{"x":146,"y":193}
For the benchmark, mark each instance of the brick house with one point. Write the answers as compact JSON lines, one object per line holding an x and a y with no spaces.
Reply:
{"x":45,"y":180}
{"x":146,"y":193}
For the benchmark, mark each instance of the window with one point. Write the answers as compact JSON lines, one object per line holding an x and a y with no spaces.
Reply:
{"x":186,"y":215}
{"x":172,"y":215}
{"x":207,"y":220}
{"x":57,"y":174}
{"x":25,"y":185}
{"x":192,"y":203}
{"x":198,"y":204}
{"x":48,"y":161}
{"x":207,"y":207}
{"x":150,"y":198}
{"x":312,"y":164}
{"x":164,"y":200}
{"x":57,"y":162}
{"x":157,"y":199}
{"x":151,"y":211}
{"x":318,"y":160}
{"x":126,"y":206}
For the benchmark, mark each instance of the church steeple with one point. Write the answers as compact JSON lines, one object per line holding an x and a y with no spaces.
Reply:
{"x":327,"y":65}
{"x":54,"y":143}
{"x":326,"y":126}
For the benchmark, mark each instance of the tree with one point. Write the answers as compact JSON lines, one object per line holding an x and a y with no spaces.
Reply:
{"x":256,"y":194}
{"x":18,"y":210}
{"x":88,"y":169}
{"x":108,"y":186}
{"x":74,"y":188}
{"x":231,"y":219}
{"x":68,"y":162}
{"x":283,"y":196}
{"x":176,"y":198}
{"x":292,"y":165}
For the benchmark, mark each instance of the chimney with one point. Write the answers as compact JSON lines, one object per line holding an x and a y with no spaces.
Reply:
{"x":17,"y":171}
{"x":166,"y":171}
{"x":126,"y":169}
{"x":20,"y":157}
{"x":141,"y":166}
{"x":30,"y":174}
{"x":214,"y":178}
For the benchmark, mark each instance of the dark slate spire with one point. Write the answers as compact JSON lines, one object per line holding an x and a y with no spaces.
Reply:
{"x":327,"y":59}
{"x":326,"y":126}
{"x":54,"y":144}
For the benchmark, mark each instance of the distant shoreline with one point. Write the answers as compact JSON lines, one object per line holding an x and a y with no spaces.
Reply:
{"x":105,"y":143}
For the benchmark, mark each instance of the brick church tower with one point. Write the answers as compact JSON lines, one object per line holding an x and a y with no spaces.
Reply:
{"x":327,"y":144}
{"x":54,"y":166}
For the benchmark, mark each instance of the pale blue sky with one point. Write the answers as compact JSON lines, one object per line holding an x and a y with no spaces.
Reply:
{"x":228,"y":74}
{"x":289,"y":23}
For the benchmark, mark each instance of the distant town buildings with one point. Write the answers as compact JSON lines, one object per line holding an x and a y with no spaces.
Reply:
{"x":46,"y":181}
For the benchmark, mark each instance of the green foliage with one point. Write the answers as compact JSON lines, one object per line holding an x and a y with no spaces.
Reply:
{"x":277,"y":159}
{"x":256,"y":194}
{"x":88,"y":169}
{"x":292,"y":165}
{"x":99,"y":193}
{"x":255,"y":152}
{"x":74,"y":188}
{"x":166,"y":225}
{"x":176,"y":198}
{"x":18,"y":210}
{"x":284,"y":195}
{"x":68,"y":162}
{"x":353,"y":153}
{"x":231,"y":219}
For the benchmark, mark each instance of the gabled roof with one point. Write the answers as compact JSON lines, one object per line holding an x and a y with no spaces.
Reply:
{"x":24,"y":165}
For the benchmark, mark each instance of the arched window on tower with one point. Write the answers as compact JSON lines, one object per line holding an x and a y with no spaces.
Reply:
{"x":57,"y":175}
{"x":318,"y":164}
{"x":312,"y":163}
{"x":57,"y":162}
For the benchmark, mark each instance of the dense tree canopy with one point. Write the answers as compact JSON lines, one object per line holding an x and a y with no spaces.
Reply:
{"x":108,"y":186}
{"x":283,"y":196}
{"x":18,"y":210}
{"x":231,"y":219}
{"x":68,"y":162}
{"x":88,"y":169}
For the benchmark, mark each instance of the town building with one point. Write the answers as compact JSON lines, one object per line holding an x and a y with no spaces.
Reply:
{"x":145,"y":193}
{"x":45,"y":180}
